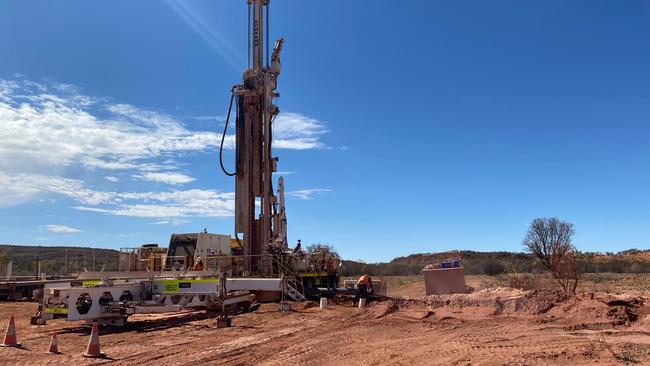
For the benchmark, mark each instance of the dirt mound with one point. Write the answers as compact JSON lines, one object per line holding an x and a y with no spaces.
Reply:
{"x":513,"y":301}
{"x":585,"y":311}
{"x":542,"y":301}
{"x":481,"y":304}
{"x":599,"y":311}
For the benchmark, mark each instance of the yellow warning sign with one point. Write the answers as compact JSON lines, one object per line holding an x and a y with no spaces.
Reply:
{"x":174,"y":286}
{"x":170,"y":286}
{"x":55,"y":310}
{"x":312,"y":274}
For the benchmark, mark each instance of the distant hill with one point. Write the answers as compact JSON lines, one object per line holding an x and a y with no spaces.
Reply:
{"x":493,"y":263}
{"x":53,"y":261}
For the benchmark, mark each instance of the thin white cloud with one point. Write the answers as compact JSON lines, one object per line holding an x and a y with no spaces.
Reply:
{"x":62,"y":229}
{"x":168,"y":209}
{"x":67,"y":88}
{"x":210,"y":118}
{"x":171,"y":222}
{"x":166,"y":177}
{"x":297,"y":132}
{"x":112,"y":179}
{"x":91,"y":209}
{"x":307,"y":194}
{"x":178,"y":203}
{"x":19,"y":188}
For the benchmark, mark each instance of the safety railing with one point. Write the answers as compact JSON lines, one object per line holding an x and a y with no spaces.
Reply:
{"x":289,"y":275}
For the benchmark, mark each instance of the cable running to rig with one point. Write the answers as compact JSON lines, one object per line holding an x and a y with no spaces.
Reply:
{"x":223,"y":137}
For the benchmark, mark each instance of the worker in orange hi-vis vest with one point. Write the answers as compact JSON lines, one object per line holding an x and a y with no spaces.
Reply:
{"x":364,"y":286}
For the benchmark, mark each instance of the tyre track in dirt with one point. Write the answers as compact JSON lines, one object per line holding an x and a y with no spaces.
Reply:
{"x":382,"y":334}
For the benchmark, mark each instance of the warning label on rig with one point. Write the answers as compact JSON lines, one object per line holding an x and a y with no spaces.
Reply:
{"x":170,"y":286}
{"x":55,"y":310}
{"x":175,"y":286}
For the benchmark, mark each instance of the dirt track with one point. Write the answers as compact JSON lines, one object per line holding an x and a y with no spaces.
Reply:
{"x":461,"y":330}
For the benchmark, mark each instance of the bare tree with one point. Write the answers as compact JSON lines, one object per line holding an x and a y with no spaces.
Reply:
{"x":323,"y":257}
{"x":549,"y":240}
{"x":325,"y":249}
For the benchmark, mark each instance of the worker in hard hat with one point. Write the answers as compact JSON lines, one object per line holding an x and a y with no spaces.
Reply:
{"x":198,"y":265}
{"x":364,"y":287}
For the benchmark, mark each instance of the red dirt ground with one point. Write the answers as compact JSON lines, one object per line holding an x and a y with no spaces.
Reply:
{"x":490,"y":327}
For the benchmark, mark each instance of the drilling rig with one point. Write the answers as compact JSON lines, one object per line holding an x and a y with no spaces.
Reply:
{"x":263,"y":227}
{"x":260,"y":216}
{"x":212,"y":270}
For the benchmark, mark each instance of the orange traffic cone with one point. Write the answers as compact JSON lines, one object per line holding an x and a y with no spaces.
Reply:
{"x":10,"y":336}
{"x":54,"y":347}
{"x":93,"y":345}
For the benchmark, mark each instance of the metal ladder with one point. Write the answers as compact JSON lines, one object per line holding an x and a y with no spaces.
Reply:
{"x":293,"y":292}
{"x":293,"y":287}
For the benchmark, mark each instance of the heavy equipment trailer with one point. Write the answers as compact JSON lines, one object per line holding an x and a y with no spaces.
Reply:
{"x":111,"y":301}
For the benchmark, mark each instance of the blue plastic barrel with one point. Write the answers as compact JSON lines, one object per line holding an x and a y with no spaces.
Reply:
{"x":456,"y":263}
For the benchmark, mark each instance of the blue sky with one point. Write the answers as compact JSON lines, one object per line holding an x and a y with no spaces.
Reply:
{"x":406,"y":127}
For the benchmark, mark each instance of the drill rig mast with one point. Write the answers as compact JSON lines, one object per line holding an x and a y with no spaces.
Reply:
{"x":259,"y":215}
